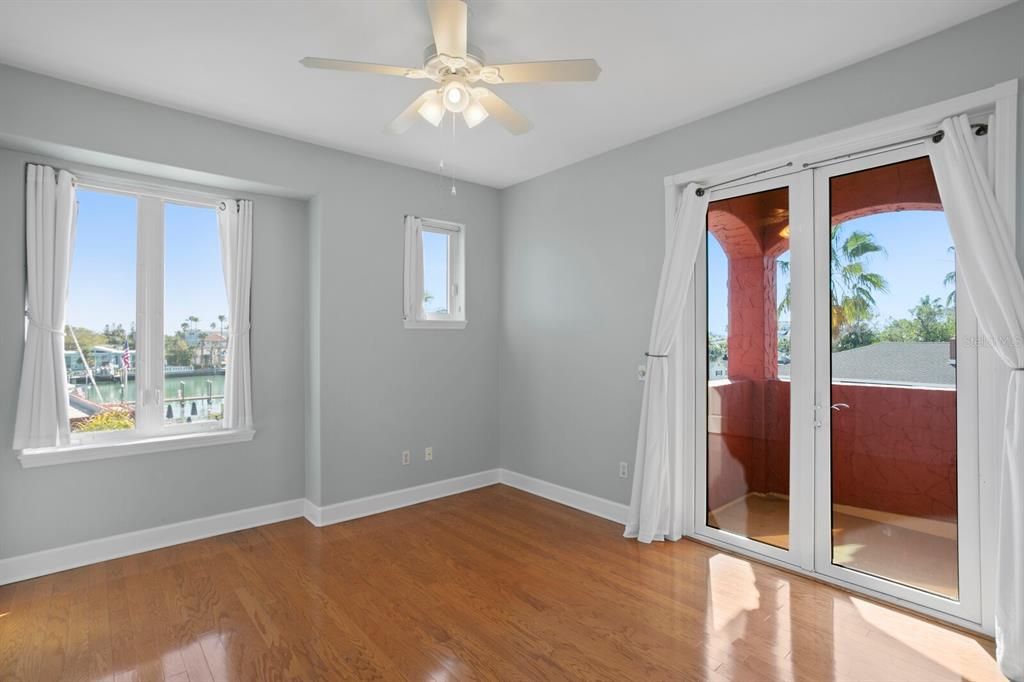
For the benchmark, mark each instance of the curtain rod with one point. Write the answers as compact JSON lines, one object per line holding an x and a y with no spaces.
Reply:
{"x":701,"y":190}
{"x":979,"y":129}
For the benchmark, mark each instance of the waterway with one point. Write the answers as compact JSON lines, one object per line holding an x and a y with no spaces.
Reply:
{"x":193,"y":388}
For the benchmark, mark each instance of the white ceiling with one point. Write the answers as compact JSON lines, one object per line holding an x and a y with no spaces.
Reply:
{"x":664,"y":63}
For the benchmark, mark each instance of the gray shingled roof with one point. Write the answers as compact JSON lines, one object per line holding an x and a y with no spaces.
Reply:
{"x":895,"y":363}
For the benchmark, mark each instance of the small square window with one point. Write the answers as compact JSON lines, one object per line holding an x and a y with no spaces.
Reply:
{"x":435,"y":288}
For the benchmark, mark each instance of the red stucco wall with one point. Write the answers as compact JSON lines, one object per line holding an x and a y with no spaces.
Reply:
{"x":894,"y":450}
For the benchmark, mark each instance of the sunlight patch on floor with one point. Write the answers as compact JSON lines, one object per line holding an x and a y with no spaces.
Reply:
{"x":948,"y":648}
{"x":924,"y":557}
{"x":732,"y":590}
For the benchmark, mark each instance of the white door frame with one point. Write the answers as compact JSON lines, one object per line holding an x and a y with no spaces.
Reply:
{"x":1000,"y":100}
{"x":968,"y":605}
{"x":801,"y":382}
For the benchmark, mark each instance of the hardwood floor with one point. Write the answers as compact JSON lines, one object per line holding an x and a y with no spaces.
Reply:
{"x":926,"y":559}
{"x":493,"y":584}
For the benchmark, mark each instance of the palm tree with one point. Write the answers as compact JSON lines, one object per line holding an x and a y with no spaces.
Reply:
{"x":202,"y":349}
{"x":852,"y":285}
{"x":194,"y":320}
{"x":950,"y":279}
{"x":184,"y":329}
{"x":786,"y":300}
{"x":222,"y":319}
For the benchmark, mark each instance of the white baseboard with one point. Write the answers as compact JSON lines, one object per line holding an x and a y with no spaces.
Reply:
{"x":313,"y":513}
{"x":598,"y":506}
{"x":375,"y":504}
{"x":58,"y":559}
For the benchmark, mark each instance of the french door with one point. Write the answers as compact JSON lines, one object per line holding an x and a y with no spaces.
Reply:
{"x":837,"y":387}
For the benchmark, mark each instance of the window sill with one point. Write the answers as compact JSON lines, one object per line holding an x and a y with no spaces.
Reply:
{"x":435,"y":324}
{"x":84,"y":452}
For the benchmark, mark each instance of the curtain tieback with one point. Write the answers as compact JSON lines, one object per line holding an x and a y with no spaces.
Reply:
{"x":655,"y":355}
{"x":41,"y":327}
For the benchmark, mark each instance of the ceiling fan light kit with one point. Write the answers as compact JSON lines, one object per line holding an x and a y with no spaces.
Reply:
{"x":451,"y":64}
{"x":475,"y":114}
{"x":456,"y":96}
{"x":432,"y":110}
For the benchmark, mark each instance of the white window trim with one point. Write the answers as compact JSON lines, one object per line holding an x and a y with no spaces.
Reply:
{"x":102,"y":448}
{"x":150,"y":433}
{"x":1000,"y":99}
{"x":413,"y":315}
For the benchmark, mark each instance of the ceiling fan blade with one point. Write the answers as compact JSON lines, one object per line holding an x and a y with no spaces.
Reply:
{"x":411,"y":114}
{"x":364,"y":67}
{"x":449,"y":21}
{"x":514,"y":122}
{"x":532,"y":72}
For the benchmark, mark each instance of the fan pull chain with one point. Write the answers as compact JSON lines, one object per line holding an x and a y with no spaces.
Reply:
{"x":453,"y":147}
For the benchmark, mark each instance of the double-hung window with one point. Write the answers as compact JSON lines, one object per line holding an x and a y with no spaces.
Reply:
{"x":148,"y":325}
{"x":435,"y":282}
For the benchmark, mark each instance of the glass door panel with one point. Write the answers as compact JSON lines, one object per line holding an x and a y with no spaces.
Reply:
{"x":893,"y":377}
{"x":747,"y":359}
{"x":836,"y":412}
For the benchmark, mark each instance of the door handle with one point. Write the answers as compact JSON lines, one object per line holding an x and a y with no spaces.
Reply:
{"x":840,"y":406}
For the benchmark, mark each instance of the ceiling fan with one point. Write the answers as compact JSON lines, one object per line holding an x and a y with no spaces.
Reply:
{"x":450,"y":63}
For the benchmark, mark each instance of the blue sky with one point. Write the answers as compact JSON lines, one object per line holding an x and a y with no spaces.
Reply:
{"x":435,"y":271}
{"x":193,"y":276}
{"x":916,"y":261}
{"x":102,"y":288}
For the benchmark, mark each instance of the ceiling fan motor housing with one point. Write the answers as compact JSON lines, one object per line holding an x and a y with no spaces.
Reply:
{"x":441,"y":67}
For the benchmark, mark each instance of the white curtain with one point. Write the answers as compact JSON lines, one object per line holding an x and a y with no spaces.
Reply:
{"x":42,"y":419}
{"x":656,"y":506}
{"x":992,"y":276}
{"x":413,"y":301}
{"x":235,"y":220}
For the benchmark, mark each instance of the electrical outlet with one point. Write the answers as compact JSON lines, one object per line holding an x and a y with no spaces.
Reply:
{"x":623,"y":470}
{"x":641,"y":372}
{"x":406,"y":458}
{"x":428,"y":454}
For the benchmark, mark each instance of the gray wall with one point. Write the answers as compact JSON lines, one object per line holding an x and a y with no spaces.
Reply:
{"x":58,"y":505}
{"x":383,"y":388}
{"x":582,"y":246}
{"x":378,"y":388}
{"x":573,"y":272}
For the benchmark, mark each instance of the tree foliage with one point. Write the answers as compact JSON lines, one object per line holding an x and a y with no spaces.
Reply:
{"x":855,"y":335}
{"x":853,"y":289}
{"x":930,"y":321}
{"x":176,"y":346}
{"x":112,"y":419}
{"x":176,"y":351}
{"x":718,"y":347}
{"x":853,"y":285}
{"x":87,"y":339}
